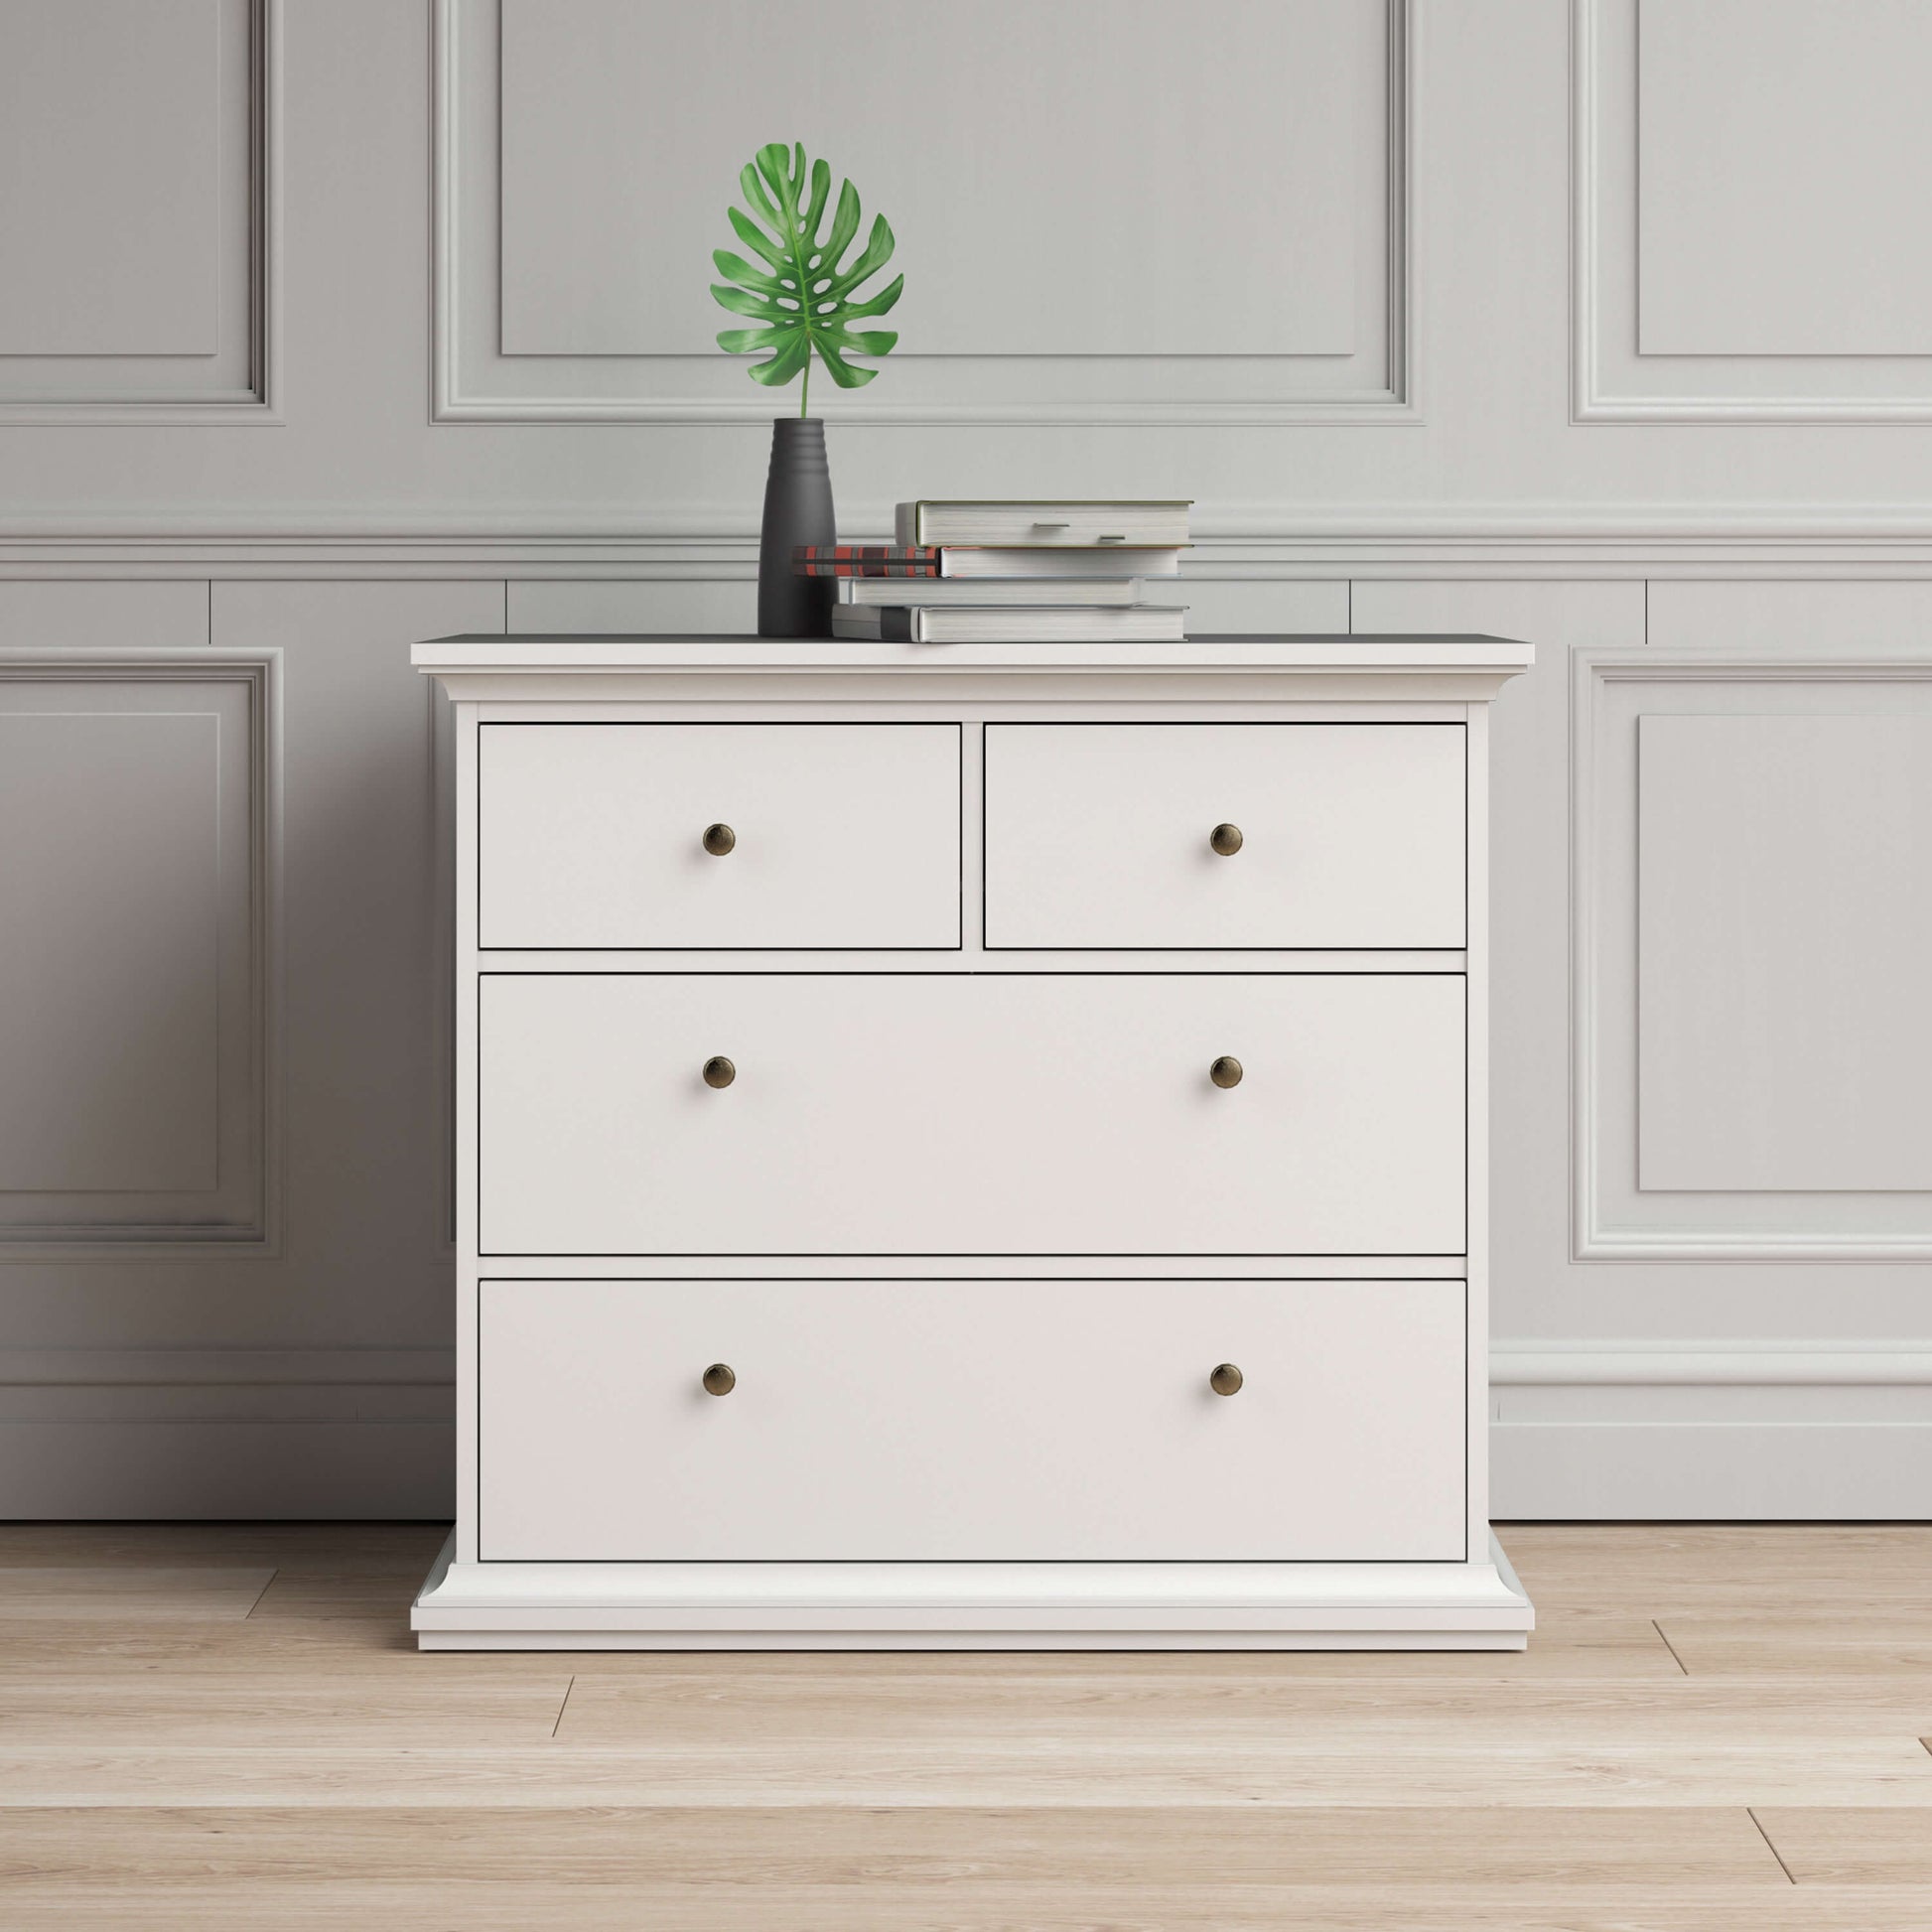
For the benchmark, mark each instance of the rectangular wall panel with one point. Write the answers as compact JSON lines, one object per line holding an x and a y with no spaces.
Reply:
{"x":1783,"y":147}
{"x":1784,"y":920}
{"x":138,"y":996}
{"x":139,"y":192}
{"x":1101,"y":219}
{"x":1746,"y":242}
{"x":109,"y":951}
{"x":1198,"y":203}
{"x":109,"y":198}
{"x":1753,"y":920}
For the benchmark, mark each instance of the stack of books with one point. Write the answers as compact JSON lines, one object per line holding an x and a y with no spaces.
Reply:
{"x":979,"y":572}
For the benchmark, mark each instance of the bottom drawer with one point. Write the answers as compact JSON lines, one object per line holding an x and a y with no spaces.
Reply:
{"x":962,"y":1421}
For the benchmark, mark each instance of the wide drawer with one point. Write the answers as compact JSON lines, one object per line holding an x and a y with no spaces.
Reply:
{"x":593,"y":835}
{"x":1351,"y":836}
{"x":1010,"y":1419}
{"x":1005,"y":1113}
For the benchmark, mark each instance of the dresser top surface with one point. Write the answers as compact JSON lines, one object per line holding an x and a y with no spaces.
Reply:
{"x":1263,"y":652}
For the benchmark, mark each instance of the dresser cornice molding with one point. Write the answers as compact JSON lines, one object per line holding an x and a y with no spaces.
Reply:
{"x":552,"y":668}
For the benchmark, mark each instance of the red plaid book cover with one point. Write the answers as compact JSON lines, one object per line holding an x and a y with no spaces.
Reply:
{"x":863,"y":560}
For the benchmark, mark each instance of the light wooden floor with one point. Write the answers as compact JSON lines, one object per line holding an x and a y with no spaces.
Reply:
{"x":219,"y":1727}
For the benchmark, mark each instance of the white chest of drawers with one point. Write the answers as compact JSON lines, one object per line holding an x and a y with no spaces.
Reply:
{"x":971,"y":1146}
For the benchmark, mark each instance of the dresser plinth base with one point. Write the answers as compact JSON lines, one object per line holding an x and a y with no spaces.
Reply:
{"x":973,"y":1606}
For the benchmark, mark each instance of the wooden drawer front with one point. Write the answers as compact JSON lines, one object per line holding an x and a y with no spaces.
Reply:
{"x":963,"y":1420}
{"x":1352,"y":835}
{"x":592,"y":834}
{"x":1008,"y":1113}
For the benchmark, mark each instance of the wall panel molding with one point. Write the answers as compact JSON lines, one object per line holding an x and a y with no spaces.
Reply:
{"x":1615,"y":1362}
{"x":240,"y":384}
{"x":1612,"y":381}
{"x":1245,"y":540}
{"x":473,"y":383}
{"x":1613,"y":1217}
{"x":243,"y":1213}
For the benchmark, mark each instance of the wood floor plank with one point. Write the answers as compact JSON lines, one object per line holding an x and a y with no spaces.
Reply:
{"x":824,"y":1845}
{"x":360,"y":1590}
{"x":281,"y":1711}
{"x":1106,"y":1704}
{"x":1569,"y":1646}
{"x":883,"y":1906}
{"x":1852,"y":1846}
{"x":738,"y":1770}
{"x":35,"y":1645}
{"x":1650,"y":1569}
{"x":1852,"y":1642}
{"x":1607,"y":1650}
{"x":103,"y":1652}
{"x":131,"y":1592}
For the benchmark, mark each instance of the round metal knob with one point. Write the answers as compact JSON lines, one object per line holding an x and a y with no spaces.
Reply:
{"x":719,"y":1071}
{"x":1226,"y":840}
{"x":1225,"y":1072}
{"x":718,"y":1379}
{"x":1224,"y":1380}
{"x":718,"y":839}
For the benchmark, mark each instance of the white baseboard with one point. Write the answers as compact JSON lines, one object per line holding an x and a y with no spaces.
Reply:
{"x":157,"y":1433}
{"x":1651,"y":1430}
{"x":1709,"y":1472}
{"x":143,"y":1471}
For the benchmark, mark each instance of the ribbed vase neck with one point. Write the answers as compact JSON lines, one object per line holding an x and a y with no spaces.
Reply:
{"x":797,"y":511}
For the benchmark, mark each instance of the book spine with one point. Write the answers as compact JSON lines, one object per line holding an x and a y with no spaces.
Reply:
{"x":862,"y":560}
{"x":897,"y":624}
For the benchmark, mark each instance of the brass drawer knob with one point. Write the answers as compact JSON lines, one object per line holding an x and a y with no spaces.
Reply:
{"x":1226,"y":840}
{"x":718,"y":1379}
{"x":1224,"y":1380}
{"x":719,"y":1071}
{"x":1225,"y":1072}
{"x":718,"y":839}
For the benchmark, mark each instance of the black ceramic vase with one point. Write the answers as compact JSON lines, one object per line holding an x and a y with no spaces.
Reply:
{"x":797,"y":509}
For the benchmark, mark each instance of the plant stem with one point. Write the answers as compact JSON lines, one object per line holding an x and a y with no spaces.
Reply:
{"x":806,"y":387}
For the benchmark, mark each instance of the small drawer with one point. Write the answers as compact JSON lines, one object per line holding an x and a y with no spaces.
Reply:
{"x":1103,"y":836}
{"x":594,"y":836}
{"x":1011,"y":1113}
{"x":972,"y":1420}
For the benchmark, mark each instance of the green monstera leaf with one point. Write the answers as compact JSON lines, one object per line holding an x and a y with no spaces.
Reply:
{"x":804,"y":298}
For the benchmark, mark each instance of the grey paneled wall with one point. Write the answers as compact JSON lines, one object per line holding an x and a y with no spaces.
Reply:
{"x":1599,"y":321}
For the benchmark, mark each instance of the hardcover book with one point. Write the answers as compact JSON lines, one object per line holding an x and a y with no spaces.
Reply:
{"x":889,"y":560}
{"x":953,"y":591}
{"x":985,"y":521}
